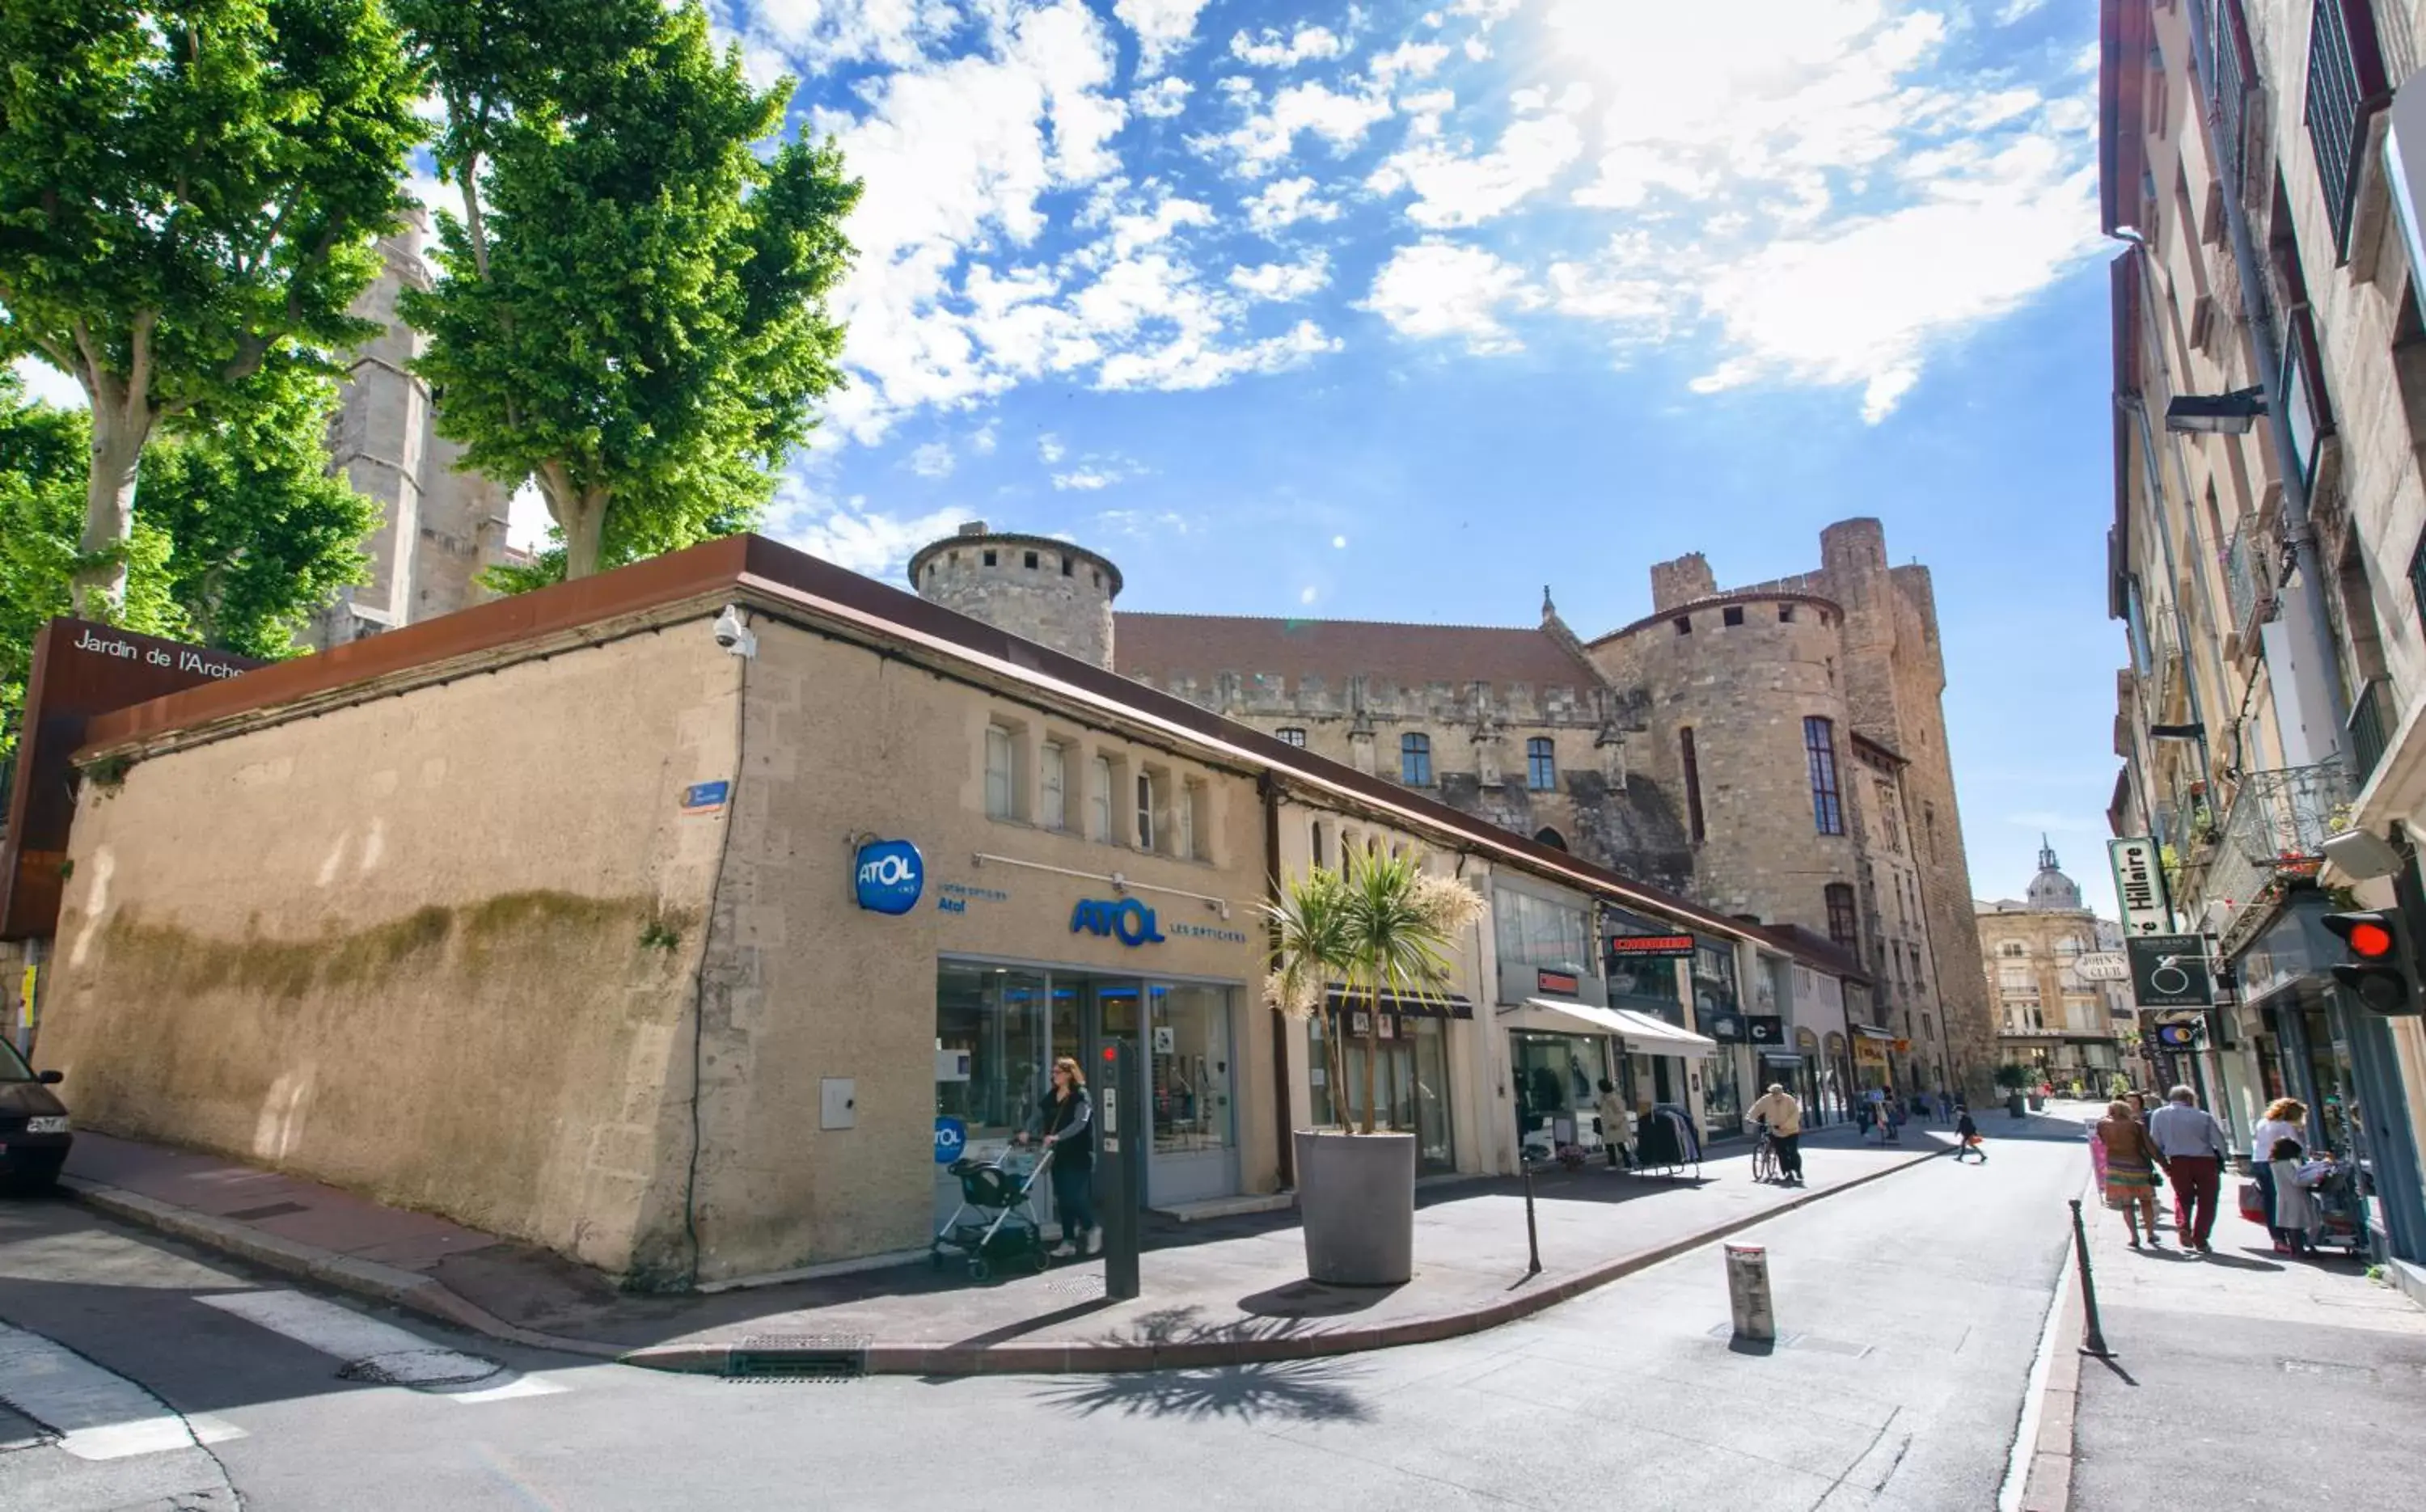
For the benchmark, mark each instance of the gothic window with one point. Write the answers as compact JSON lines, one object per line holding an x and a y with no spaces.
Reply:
{"x":1541,"y":765}
{"x":1550,"y":838}
{"x":1415,"y":760}
{"x":1291,"y":735}
{"x":1819,"y":753}
{"x":1692,"y":781}
{"x":1842,"y":925}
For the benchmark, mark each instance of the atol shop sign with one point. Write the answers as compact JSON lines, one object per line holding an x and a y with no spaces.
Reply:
{"x":889,"y":877}
{"x":1126,"y":920}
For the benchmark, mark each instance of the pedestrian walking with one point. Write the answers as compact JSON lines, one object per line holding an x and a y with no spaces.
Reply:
{"x":1967,"y":1132}
{"x":2284,"y":1118}
{"x":1779,"y":1110}
{"x":2126,"y":1161}
{"x":2194,"y":1147}
{"x":1616,"y":1126}
{"x":1067,"y":1125}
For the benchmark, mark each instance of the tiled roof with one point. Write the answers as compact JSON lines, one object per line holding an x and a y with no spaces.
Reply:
{"x":1166,"y":647}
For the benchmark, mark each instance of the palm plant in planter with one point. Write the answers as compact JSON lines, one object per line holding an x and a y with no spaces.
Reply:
{"x":2015,"y":1082}
{"x":1381,"y":928}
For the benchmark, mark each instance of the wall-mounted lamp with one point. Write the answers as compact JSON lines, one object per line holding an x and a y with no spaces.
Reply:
{"x":2189,"y":732}
{"x":2220,"y":414}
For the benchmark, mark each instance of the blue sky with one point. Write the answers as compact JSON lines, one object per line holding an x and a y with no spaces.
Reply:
{"x":1403,"y":311}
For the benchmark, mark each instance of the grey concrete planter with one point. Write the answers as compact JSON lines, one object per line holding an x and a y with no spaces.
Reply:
{"x":2016,"y":1103}
{"x":1356,"y":1194}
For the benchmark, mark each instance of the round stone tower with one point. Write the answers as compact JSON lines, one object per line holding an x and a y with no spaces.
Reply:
{"x":1033,"y":587}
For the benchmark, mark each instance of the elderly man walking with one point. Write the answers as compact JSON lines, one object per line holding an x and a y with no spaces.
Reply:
{"x":2194,"y":1148}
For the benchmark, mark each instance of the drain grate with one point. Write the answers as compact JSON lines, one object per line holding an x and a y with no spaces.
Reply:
{"x":798,"y":1357}
{"x":273,"y":1210}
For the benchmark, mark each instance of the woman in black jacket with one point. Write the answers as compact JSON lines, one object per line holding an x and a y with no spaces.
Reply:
{"x":1066,"y":1123}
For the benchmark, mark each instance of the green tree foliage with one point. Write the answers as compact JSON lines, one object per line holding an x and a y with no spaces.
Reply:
{"x":189,"y":191}
{"x":242,"y":531}
{"x":631,"y":312}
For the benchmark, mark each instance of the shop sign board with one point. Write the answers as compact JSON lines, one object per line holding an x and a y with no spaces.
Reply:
{"x":890,"y":877}
{"x":2170,"y":972}
{"x":1766,"y":1029}
{"x":1726,"y":1028}
{"x":951,"y":1140}
{"x":2140,"y":885}
{"x":1651,"y":947}
{"x":1126,"y":920}
{"x":1564,"y":983}
{"x":2103,"y":965}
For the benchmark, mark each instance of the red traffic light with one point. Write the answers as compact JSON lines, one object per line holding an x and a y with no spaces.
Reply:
{"x":2371,"y":941}
{"x":1109,"y":1052}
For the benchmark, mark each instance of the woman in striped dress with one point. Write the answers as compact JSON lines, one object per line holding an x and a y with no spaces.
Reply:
{"x":2131,"y":1164}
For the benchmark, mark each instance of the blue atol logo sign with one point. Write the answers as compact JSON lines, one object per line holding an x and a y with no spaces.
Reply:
{"x":951,"y":1139}
{"x":1127,"y":921}
{"x":891,"y":876}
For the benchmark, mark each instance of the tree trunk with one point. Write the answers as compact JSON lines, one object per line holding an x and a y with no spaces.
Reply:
{"x":580,"y":513}
{"x":118,"y":433}
{"x":1372,"y":1052}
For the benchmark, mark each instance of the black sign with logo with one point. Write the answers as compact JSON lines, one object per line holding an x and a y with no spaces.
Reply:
{"x":1766,"y":1029}
{"x":2170,"y":972}
{"x":1726,"y":1028}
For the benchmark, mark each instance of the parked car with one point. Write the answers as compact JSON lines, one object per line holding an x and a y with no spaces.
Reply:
{"x":34,"y":1136}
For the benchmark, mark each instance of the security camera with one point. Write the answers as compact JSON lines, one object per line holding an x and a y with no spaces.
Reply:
{"x":732,"y":634}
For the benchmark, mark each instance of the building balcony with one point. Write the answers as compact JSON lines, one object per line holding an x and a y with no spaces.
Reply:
{"x":2274,"y":834}
{"x":2168,"y":672}
{"x":2374,"y":715}
{"x":2247,"y":586}
{"x":2346,"y":85}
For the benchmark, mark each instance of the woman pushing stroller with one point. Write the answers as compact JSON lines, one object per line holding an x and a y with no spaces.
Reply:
{"x":1067,"y":1125}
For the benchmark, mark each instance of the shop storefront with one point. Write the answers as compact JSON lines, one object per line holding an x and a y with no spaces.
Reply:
{"x":1647,"y":961}
{"x":1717,"y":1004}
{"x":1872,"y":1070}
{"x":1413,"y":1043}
{"x":1559,"y":1051}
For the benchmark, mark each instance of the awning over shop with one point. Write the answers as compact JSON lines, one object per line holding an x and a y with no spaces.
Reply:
{"x":1781,"y":1057}
{"x":1642,"y":1034}
{"x":1871,"y":1031}
{"x":1437,"y":1005}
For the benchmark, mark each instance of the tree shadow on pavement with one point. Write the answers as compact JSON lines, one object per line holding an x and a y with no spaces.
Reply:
{"x":1307,"y":1391}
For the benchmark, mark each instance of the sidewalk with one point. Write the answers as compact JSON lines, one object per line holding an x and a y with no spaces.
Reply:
{"x":2245,"y":1380}
{"x":1223,"y":1292}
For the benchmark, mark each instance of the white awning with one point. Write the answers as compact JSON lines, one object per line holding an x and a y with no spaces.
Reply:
{"x":1642,"y":1034}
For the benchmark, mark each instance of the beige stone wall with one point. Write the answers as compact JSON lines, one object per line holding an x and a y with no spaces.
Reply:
{"x":438,"y":948}
{"x":804,"y":986}
{"x":1071,"y":612}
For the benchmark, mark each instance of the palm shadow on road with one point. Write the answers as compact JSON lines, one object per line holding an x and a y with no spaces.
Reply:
{"x":1307,"y":1391}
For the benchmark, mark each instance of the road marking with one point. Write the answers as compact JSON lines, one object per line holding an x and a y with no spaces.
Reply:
{"x":377,"y":1352}
{"x":97,"y":1414}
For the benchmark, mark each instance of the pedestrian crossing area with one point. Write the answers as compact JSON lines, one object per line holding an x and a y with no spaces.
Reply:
{"x":93,"y":1413}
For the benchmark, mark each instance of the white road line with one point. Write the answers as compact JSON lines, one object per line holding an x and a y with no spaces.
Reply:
{"x":378,"y":1352}
{"x":97,"y":1414}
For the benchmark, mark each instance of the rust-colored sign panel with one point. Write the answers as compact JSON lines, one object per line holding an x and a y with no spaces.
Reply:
{"x":80,"y":669}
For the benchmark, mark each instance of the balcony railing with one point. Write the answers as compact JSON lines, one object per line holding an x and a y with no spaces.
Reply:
{"x":2245,"y":582}
{"x":2276,"y":831}
{"x":2165,"y":669}
{"x":2373,"y":717}
{"x":2346,"y":88}
{"x":2236,"y":81}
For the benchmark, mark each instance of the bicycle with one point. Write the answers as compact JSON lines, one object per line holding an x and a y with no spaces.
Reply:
{"x":1764,"y":1157}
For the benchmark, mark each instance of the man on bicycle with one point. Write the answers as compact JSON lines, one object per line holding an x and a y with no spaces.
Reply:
{"x":1778,"y":1112}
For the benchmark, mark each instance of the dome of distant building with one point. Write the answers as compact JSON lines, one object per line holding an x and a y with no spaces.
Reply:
{"x":2052,"y":890}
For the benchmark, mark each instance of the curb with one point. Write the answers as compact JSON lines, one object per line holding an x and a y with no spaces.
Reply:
{"x":1103,"y":1358}
{"x":2049,"y":1485}
{"x":365,"y":1278}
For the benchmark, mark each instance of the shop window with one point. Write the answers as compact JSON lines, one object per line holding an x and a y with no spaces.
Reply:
{"x":1188,"y":1067}
{"x":1819,"y":750}
{"x":1692,"y":781}
{"x":1542,"y":765}
{"x":1054,"y":775}
{"x":1536,"y":932}
{"x":1843,"y":924}
{"x":1410,"y":1071}
{"x":1145,"y":806}
{"x":1001,"y":773}
{"x":1415,"y":760}
{"x":1099,"y":800}
{"x":1291,"y":735}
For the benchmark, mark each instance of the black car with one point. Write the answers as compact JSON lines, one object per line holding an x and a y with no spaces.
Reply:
{"x":34,"y":1136}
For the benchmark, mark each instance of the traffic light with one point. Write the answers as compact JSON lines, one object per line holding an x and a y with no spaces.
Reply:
{"x":2378,"y":971}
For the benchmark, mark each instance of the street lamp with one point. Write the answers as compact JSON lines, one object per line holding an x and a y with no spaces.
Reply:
{"x":2230,"y":415}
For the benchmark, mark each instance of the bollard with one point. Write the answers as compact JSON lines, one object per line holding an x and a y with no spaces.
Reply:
{"x":1533,"y":1236}
{"x":2092,"y":1340}
{"x":1755,"y":1319}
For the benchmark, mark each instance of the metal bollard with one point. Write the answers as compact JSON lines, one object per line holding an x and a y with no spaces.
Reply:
{"x":1756,"y":1317}
{"x":1533,"y":1236}
{"x":2093,"y":1341}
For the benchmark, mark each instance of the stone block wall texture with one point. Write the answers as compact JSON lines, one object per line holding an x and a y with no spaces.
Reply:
{"x":438,"y":948}
{"x":1070,"y":611}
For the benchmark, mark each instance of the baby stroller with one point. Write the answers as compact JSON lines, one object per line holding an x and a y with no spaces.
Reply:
{"x":2341,"y":1211}
{"x":997,"y":1224}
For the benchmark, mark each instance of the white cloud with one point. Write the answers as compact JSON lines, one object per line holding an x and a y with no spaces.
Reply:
{"x":1163,"y":99}
{"x":2019,"y":10}
{"x":1280,"y":282}
{"x":1049,"y":449}
{"x":984,"y":439}
{"x":817,"y":35}
{"x":1187,"y":362}
{"x":1413,"y":59}
{"x":1269,"y":49}
{"x":931,"y":460}
{"x":1162,"y":27}
{"x":1453,"y":188}
{"x":848,"y":534}
{"x":1266,"y":137}
{"x":1085,"y":478}
{"x":1285,"y":202}
{"x":1436,"y":288}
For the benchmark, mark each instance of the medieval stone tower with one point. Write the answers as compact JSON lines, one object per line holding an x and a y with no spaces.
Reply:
{"x":1034,"y":586}
{"x":439,"y":529}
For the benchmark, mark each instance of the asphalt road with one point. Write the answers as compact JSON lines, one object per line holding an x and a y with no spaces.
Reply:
{"x":143,"y":1374}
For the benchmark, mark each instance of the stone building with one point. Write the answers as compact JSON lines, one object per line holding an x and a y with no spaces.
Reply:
{"x":2053,"y":1013}
{"x":1778,"y":752}
{"x":439,"y":529}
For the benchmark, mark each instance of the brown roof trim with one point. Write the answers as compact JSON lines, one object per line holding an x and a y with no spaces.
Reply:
{"x":765,"y":571}
{"x":1719,"y":601}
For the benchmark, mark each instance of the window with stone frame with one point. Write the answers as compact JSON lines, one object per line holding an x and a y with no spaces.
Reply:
{"x":1291,"y":735}
{"x":1819,"y":755}
{"x":1541,"y":765}
{"x":1053,"y":775}
{"x":1844,"y":922}
{"x":1415,"y":760}
{"x":1692,"y":766}
{"x":1001,"y":773}
{"x":1099,"y":799}
{"x":1888,"y":819}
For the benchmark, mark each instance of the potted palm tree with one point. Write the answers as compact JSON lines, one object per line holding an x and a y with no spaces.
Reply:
{"x":1380,"y":927}
{"x":2013,"y":1081}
